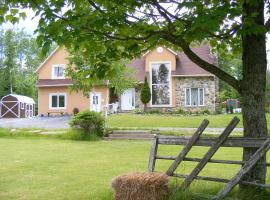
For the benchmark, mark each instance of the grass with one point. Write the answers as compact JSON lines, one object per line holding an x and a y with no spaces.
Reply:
{"x":177,"y":121}
{"x":52,"y":168}
{"x":67,"y":134}
{"x":181,"y":121}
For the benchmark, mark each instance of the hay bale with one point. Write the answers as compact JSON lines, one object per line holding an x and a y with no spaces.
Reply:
{"x":141,"y":186}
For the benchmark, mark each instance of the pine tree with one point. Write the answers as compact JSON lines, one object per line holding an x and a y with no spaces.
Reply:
{"x":145,"y":93}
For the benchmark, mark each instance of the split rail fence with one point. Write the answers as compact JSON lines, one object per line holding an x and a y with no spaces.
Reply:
{"x":261,"y":144}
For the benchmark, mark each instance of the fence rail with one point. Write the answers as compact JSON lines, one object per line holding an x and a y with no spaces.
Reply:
{"x":262,"y":145}
{"x":230,"y":142}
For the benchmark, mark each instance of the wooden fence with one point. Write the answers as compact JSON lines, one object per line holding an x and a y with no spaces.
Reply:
{"x":262,"y":145}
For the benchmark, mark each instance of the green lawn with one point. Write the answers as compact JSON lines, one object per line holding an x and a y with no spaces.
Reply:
{"x":41,"y":168}
{"x":187,"y":121}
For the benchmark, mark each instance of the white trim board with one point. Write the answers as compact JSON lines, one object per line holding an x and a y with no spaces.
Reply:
{"x":170,"y":50}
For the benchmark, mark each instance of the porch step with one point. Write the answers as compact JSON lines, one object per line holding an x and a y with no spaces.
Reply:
{"x":130,"y":135}
{"x":131,"y":132}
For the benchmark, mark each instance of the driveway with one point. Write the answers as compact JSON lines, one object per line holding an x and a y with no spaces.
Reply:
{"x":37,"y":122}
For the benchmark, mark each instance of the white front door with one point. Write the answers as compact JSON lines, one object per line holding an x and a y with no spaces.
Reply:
{"x":95,"y":101}
{"x":128,"y":99}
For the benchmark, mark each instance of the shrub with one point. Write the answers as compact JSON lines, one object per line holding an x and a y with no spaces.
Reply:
{"x":206,"y":112}
{"x":76,"y":134}
{"x":231,"y":109}
{"x":138,"y":111}
{"x":145,"y":93}
{"x":154,"y":111}
{"x":91,"y":122}
{"x":179,"y":111}
{"x":219,"y":110}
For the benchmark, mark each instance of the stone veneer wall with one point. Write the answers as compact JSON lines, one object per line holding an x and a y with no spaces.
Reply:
{"x":210,"y":92}
{"x":138,"y":103}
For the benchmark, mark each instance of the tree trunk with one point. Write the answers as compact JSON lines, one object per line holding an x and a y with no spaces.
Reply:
{"x":145,"y":107}
{"x":252,"y":87}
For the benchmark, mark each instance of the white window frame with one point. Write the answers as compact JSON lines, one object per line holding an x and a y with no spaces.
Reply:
{"x":198,"y":88}
{"x":170,"y":82}
{"x":57,"y":94}
{"x":58,"y":65}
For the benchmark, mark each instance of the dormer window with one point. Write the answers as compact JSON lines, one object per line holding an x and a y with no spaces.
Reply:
{"x":160,"y":74}
{"x":58,"y":71}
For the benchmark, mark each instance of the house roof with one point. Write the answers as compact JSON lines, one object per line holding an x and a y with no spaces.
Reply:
{"x":184,"y":66}
{"x":20,"y":98}
{"x":54,"y":82}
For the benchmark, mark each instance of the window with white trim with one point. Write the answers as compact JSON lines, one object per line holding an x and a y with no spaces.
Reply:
{"x":160,"y":84}
{"x":58,"y":71}
{"x":57,"y":101}
{"x":194,"y":97}
{"x":22,"y":105}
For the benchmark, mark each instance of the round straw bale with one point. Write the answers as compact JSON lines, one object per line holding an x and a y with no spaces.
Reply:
{"x":141,"y":186}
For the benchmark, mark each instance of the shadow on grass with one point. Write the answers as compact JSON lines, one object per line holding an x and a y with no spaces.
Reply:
{"x":201,"y":192}
{"x":70,"y":134}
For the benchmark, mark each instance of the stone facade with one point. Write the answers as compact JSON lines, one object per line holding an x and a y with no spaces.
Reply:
{"x":138,"y":103}
{"x":208,"y":83}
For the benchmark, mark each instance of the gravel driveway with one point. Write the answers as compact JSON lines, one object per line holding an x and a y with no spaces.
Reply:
{"x":37,"y":122}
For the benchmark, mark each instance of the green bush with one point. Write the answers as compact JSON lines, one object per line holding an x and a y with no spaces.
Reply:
{"x":91,"y":122}
{"x":231,"y":109}
{"x":145,"y":93}
{"x":154,"y":111}
{"x":206,"y":112}
{"x":180,"y":111}
{"x":219,"y":109}
{"x":138,"y":111}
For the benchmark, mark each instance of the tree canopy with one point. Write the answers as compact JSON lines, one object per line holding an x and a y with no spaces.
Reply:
{"x":110,"y":30}
{"x":19,"y":58}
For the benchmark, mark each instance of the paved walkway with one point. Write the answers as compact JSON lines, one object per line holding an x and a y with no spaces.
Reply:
{"x":38,"y":122}
{"x":62,"y":123}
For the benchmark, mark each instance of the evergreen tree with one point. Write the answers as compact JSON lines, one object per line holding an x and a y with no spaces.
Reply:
{"x":145,"y":93}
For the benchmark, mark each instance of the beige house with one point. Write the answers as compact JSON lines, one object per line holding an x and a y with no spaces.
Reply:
{"x":174,"y":80}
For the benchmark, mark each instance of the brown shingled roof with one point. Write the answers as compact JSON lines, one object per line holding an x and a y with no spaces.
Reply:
{"x":139,"y":66}
{"x":54,"y":82}
{"x":184,"y":66}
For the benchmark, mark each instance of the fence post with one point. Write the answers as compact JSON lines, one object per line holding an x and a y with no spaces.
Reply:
{"x":244,"y":170}
{"x":210,"y":153}
{"x":153,"y":153}
{"x":187,"y":147}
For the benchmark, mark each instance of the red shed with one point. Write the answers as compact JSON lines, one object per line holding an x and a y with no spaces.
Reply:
{"x":17,"y":106}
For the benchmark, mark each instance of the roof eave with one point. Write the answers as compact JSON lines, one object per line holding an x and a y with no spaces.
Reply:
{"x":41,"y":65}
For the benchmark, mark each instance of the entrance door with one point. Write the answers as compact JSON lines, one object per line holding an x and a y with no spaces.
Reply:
{"x":95,"y":102}
{"x":128,"y":99}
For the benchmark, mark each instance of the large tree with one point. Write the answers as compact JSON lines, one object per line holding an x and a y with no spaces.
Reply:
{"x":106,"y":31}
{"x":9,"y":67}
